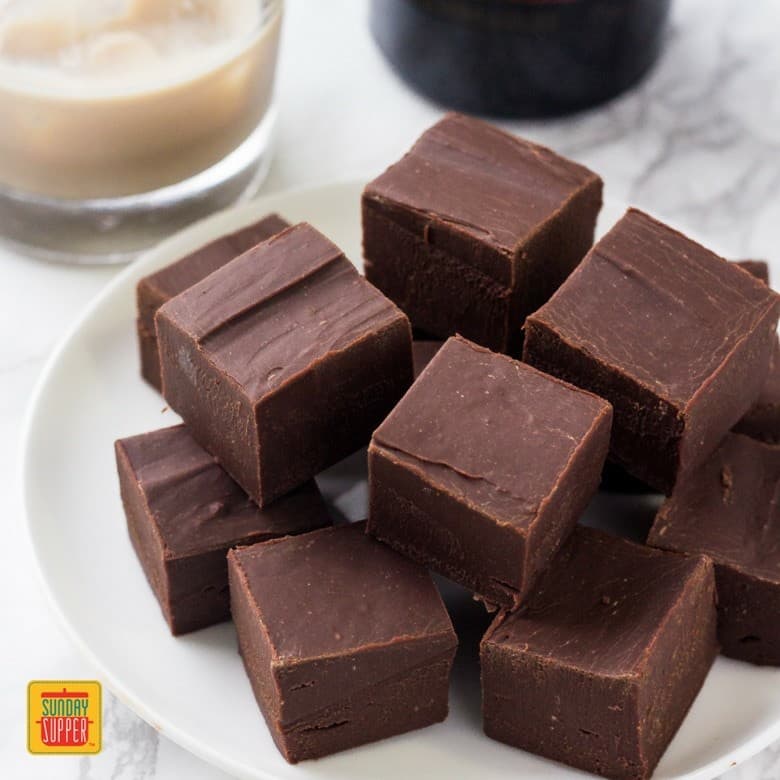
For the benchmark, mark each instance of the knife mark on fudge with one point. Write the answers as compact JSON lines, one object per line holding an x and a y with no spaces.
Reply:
{"x":156,"y":289}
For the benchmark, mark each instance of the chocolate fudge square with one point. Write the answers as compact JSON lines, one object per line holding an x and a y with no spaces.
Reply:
{"x":483,"y":469}
{"x":283,"y":361}
{"x":762,"y":422}
{"x":474,"y":229}
{"x":184,"y":513}
{"x":727,"y":509}
{"x":423,"y":351}
{"x":601,"y":666}
{"x":158,"y":288}
{"x":676,"y":338}
{"x":757,"y":268}
{"x":344,"y":641}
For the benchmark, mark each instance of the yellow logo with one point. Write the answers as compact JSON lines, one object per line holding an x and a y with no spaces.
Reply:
{"x":63,"y":716}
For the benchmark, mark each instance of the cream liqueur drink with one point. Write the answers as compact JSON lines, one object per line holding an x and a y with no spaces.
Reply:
{"x":108,"y":98}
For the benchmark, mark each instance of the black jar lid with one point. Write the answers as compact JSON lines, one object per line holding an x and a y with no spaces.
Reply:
{"x":520,"y":58}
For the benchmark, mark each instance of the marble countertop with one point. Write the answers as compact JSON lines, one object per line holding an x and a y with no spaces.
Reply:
{"x":698,"y":142}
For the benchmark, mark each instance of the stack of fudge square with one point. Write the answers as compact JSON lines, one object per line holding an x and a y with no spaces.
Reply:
{"x":539,"y":356}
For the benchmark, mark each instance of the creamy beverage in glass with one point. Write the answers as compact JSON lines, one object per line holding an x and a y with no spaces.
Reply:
{"x":108,"y":104}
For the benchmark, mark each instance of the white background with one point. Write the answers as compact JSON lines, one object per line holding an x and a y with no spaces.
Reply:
{"x":698,"y":142}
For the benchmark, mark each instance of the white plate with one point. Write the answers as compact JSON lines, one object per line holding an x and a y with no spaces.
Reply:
{"x":193,"y":689}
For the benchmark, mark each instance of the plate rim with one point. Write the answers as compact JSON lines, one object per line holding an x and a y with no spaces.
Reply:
{"x":251,"y":209}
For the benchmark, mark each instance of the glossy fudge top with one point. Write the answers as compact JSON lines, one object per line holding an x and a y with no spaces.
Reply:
{"x":728,"y":509}
{"x":280,"y":307}
{"x":494,"y":431}
{"x":657,"y":306}
{"x":336,"y":591}
{"x":197,"y":507}
{"x":600,"y":604}
{"x":197,"y":265}
{"x":481,"y":181}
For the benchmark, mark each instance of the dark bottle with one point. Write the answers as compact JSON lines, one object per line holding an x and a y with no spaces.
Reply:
{"x":520,"y":58}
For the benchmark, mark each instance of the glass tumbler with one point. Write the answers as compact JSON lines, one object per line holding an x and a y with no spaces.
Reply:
{"x":123,"y":120}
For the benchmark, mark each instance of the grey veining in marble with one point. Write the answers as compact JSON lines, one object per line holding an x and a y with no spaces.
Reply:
{"x":130,"y":746}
